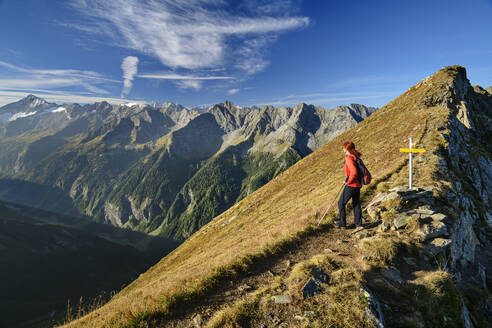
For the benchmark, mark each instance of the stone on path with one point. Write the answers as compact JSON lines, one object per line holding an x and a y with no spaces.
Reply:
{"x":282,"y":299}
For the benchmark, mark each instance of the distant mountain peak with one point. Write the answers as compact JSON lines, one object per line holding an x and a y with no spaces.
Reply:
{"x":29,"y":104}
{"x":33,"y":101}
{"x":172,"y":106}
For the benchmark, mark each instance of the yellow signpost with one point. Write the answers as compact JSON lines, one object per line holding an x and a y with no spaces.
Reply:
{"x":410,"y":152}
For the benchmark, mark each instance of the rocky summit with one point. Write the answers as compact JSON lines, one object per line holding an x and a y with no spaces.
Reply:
{"x":163,"y":170}
{"x":423,"y":259}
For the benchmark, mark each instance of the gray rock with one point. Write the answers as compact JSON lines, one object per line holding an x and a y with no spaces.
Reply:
{"x":437,"y":246}
{"x":384,"y":226}
{"x":482,"y":274}
{"x":374,"y":311}
{"x":282,"y":299}
{"x":310,"y":288}
{"x":417,"y":195}
{"x":374,"y":212}
{"x":399,"y":188}
{"x":431,"y":230}
{"x":364,"y":234}
{"x":465,"y":316}
{"x":464,"y":239}
{"x":382,"y":197}
{"x":400,"y":220}
{"x":438,"y":217}
{"x":392,"y":274}
{"x":425,"y":209}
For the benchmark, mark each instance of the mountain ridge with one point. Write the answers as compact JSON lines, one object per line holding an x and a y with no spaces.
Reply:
{"x":444,"y":114}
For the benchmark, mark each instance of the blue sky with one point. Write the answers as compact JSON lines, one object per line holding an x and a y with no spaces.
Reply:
{"x":202,"y":52}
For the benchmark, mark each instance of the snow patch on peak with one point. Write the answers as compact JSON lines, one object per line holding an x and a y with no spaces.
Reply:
{"x":36,"y":102}
{"x":20,"y":115}
{"x":131,"y":104}
{"x":59,"y":109}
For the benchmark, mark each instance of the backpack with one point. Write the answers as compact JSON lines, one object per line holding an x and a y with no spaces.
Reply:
{"x":364,"y":174}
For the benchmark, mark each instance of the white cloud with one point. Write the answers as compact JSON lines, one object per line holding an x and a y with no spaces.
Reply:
{"x":129,"y":67}
{"x":21,"y":78}
{"x":232,"y":91}
{"x":251,"y":55}
{"x":192,"y":34}
{"x":324,"y":98}
{"x":165,"y":76}
{"x":190,"y":84}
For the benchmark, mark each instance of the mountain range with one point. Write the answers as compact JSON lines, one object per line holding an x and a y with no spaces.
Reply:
{"x":166,"y":171}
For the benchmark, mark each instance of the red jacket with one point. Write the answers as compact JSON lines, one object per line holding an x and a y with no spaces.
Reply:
{"x":351,"y":171}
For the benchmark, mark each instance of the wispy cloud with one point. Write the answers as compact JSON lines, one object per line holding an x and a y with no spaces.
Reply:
{"x":165,"y":76}
{"x":20,"y":78}
{"x":184,"y":81}
{"x":129,"y":67}
{"x":326,"y":98}
{"x":190,"y":84}
{"x":232,"y":91}
{"x":194,"y":34}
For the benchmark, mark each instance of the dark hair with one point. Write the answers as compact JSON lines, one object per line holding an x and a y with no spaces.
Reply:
{"x":350,"y":147}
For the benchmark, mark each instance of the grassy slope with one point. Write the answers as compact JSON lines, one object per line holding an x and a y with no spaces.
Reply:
{"x":287,"y":204}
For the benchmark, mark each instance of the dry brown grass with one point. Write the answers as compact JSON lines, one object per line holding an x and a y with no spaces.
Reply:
{"x":235,"y":316}
{"x":286,"y":205}
{"x":342,"y":304}
{"x":380,"y":249}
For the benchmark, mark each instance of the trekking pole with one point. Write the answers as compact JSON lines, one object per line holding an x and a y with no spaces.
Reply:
{"x":326,"y":212}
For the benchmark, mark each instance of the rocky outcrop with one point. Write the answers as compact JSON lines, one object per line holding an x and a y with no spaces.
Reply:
{"x":450,"y":221}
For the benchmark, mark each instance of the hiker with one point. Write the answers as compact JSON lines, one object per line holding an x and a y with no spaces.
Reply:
{"x":352,"y":187}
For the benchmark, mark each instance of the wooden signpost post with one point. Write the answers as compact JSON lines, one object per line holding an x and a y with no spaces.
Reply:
{"x":411,"y":150}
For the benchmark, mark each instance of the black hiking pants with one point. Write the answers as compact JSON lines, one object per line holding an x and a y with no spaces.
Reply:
{"x":354,"y":193}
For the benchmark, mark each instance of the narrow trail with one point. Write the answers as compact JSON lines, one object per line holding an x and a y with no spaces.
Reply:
{"x":340,"y":244}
